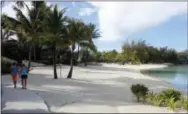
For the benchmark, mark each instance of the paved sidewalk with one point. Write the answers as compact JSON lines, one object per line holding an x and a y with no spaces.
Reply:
{"x":21,"y":101}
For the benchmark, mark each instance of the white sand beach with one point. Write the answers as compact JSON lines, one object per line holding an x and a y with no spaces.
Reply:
{"x":100,"y":88}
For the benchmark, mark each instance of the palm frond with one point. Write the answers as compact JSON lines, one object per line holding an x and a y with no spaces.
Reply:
{"x":20,"y":4}
{"x":90,"y":46}
{"x":23,"y":19}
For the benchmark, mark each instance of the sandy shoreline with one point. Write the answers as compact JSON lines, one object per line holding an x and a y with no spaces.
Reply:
{"x":137,"y":67}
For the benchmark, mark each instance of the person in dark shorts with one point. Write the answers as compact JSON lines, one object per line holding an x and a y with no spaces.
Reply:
{"x":24,"y":75}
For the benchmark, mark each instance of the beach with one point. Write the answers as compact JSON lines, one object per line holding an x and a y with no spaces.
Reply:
{"x":95,"y":88}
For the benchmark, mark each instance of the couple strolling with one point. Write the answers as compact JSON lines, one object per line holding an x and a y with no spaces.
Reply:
{"x":21,"y":71}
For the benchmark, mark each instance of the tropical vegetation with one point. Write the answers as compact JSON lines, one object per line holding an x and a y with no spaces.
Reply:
{"x":170,"y":98}
{"x":45,"y":30}
{"x":138,"y":52}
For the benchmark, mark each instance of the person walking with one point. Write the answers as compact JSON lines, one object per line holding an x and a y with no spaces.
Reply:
{"x":24,"y":75}
{"x":14,"y":73}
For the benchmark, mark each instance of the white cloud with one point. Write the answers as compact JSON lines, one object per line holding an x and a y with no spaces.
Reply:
{"x":86,"y":11}
{"x":73,"y":4}
{"x":117,"y":20}
{"x":8,"y":8}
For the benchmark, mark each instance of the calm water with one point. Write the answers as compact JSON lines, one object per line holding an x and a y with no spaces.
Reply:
{"x":177,"y":75}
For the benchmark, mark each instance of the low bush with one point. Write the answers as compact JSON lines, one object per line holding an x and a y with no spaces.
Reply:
{"x":184,"y":102}
{"x":171,"y":93}
{"x":171,"y":103}
{"x":169,"y":98}
{"x":158,"y":100}
{"x":150,"y":97}
{"x":5,"y":66}
{"x":140,"y":91}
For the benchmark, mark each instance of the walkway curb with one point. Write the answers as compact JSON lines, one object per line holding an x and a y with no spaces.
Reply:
{"x":22,"y":101}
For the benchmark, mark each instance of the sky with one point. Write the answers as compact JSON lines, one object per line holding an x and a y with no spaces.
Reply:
{"x":160,"y":24}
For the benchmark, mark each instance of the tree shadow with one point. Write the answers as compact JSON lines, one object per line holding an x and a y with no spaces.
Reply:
{"x":111,"y":92}
{"x":67,"y":91}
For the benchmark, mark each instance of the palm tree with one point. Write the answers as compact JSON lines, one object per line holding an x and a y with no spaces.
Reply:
{"x":27,"y":24}
{"x":39,"y":6}
{"x":91,"y":33}
{"x":75,"y":33}
{"x":5,"y":31}
{"x":55,"y":32}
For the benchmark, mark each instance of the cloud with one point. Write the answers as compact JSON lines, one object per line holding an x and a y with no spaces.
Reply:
{"x":74,"y":4}
{"x":8,"y":8}
{"x":117,"y":20}
{"x":86,"y":11}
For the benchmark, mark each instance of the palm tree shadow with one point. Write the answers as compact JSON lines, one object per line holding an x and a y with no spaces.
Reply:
{"x":62,"y":92}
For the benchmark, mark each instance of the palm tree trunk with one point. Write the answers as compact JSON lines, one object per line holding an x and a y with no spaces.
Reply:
{"x":71,"y":68}
{"x":54,"y":61}
{"x":78,"y":52}
{"x":34,"y":52}
{"x":30,"y":54}
{"x":86,"y":57}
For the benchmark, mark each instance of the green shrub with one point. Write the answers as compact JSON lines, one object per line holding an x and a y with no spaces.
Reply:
{"x":184,"y":102}
{"x":140,"y":91}
{"x":171,"y":93}
{"x":6,"y":64}
{"x":158,"y":99}
{"x":5,"y":67}
{"x":171,"y":103}
{"x":150,"y":97}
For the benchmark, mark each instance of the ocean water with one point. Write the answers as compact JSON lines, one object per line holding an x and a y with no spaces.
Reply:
{"x":176,"y":75}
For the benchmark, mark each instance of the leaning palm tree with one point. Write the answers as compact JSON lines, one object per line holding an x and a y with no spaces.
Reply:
{"x":75,"y":33}
{"x":54,"y":35}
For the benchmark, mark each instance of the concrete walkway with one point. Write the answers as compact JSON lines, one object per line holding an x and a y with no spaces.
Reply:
{"x":21,"y":101}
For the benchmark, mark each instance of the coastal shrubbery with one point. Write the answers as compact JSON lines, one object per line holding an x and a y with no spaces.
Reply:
{"x":184,"y":103}
{"x":5,"y":65}
{"x":171,"y":93}
{"x":140,"y":91}
{"x":170,"y":98}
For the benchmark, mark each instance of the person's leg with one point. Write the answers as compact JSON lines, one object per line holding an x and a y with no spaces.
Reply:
{"x":25,"y":83}
{"x":22,"y":81}
{"x":14,"y":84}
{"x":13,"y":80}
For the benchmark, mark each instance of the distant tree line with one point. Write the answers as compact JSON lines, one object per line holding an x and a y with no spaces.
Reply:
{"x":139,"y":52}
